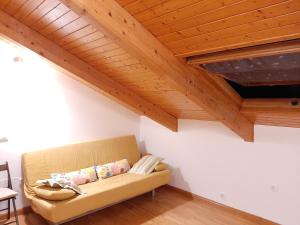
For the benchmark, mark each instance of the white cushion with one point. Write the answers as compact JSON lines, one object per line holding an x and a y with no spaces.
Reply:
{"x":6,"y":193}
{"x":145,"y":165}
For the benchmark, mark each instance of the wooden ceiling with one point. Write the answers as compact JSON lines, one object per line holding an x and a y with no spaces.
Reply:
{"x":193,"y":27}
{"x":58,"y":23}
{"x":74,"y":35}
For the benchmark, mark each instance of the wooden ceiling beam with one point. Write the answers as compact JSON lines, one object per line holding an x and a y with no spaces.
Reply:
{"x":14,"y":30}
{"x":284,"y":107}
{"x":270,"y":112}
{"x":273,"y":112}
{"x":197,"y":85}
{"x":277,"y":48}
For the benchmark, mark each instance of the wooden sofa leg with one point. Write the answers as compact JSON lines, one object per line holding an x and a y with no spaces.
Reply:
{"x":153,"y":193}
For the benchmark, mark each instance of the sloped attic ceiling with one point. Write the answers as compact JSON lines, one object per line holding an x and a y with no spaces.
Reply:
{"x":183,"y":27}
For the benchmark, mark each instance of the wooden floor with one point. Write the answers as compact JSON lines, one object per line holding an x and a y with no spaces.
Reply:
{"x":169,"y":207}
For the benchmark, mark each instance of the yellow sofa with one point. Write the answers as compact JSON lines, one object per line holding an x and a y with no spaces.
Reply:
{"x":99,"y":194}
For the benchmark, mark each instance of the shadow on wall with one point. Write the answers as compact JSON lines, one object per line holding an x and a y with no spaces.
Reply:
{"x":178,"y":179}
{"x":176,"y":174}
{"x":142,"y":147}
{"x":23,"y":199}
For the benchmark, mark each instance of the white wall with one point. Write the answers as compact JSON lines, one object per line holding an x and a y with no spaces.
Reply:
{"x":42,"y":108}
{"x":262,"y":178}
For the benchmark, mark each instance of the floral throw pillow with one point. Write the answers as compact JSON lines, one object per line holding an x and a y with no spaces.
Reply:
{"x":78,"y":177}
{"x":112,"y":169}
{"x":73,"y":177}
{"x":89,"y":173}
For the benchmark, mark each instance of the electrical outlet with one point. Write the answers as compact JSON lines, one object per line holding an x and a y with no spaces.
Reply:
{"x":274,"y":188}
{"x":222,"y":196}
{"x":3,"y":139}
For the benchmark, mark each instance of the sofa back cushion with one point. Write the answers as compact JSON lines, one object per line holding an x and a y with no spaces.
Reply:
{"x":39,"y":165}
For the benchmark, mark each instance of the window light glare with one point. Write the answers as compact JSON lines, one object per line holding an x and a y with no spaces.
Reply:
{"x":33,"y":100}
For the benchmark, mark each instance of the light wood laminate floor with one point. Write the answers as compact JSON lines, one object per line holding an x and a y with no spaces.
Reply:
{"x":169,"y":207}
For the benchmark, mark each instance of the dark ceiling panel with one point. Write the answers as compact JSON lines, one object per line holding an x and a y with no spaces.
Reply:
{"x":282,"y":91}
{"x":261,"y":71}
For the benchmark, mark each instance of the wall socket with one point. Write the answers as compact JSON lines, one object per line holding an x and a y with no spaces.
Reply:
{"x":274,"y":188}
{"x":222,"y":196}
{"x":3,"y":139}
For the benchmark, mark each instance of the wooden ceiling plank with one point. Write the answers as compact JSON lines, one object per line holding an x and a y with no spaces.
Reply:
{"x":98,"y":50}
{"x":133,"y":68}
{"x":18,"y":32}
{"x":187,"y":16}
{"x":125,"y":2}
{"x":162,"y":9}
{"x":62,"y":21}
{"x":84,"y":40}
{"x":4,"y":3}
{"x":50,"y":17}
{"x":104,"y":51}
{"x":70,"y":28}
{"x":115,"y":22}
{"x":112,"y":63}
{"x":142,"y":5}
{"x":244,"y":29}
{"x":40,"y":11}
{"x":98,"y":59}
{"x":93,"y":45}
{"x":112,"y":53}
{"x":75,"y":36}
{"x":130,"y":61}
{"x":221,"y":24}
{"x":277,"y":48}
{"x":27,"y":8}
{"x":211,"y":11}
{"x":288,"y":32}
{"x":114,"y":57}
{"x":13,"y":6}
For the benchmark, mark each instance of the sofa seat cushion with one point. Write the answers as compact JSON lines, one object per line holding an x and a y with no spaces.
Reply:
{"x":100,"y":194}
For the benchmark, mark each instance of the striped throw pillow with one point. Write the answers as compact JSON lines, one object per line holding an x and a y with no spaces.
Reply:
{"x":145,"y":165}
